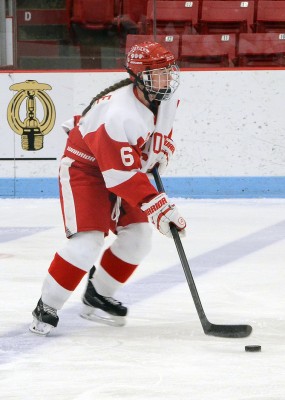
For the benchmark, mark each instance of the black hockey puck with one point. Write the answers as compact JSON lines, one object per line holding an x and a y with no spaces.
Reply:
{"x":253,"y":348}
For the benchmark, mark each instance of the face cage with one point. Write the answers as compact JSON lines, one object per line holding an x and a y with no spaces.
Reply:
{"x":161,"y":82}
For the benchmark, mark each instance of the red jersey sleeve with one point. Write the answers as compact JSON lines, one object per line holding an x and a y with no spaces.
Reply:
{"x":120,"y":163}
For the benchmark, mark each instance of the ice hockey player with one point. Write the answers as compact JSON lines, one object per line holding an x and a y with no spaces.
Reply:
{"x":104,"y":186}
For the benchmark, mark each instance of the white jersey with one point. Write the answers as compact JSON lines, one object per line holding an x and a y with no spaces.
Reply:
{"x":122,"y":137}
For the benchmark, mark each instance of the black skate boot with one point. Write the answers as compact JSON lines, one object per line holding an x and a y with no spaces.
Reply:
{"x":45,"y":319}
{"x":100,"y":308}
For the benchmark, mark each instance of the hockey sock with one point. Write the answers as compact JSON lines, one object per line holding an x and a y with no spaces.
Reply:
{"x":112,"y":273}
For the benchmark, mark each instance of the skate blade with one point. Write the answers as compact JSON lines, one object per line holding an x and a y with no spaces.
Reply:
{"x":40,"y":328}
{"x":97,"y":315}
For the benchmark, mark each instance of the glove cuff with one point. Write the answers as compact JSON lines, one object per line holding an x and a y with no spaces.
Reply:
{"x":154,"y":206}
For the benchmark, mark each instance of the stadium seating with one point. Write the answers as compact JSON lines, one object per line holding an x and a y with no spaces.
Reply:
{"x":226,"y":16}
{"x":270,"y":16}
{"x":261,"y":50}
{"x":169,"y":42}
{"x":172,"y":17}
{"x":214,"y":50}
{"x":200,"y":33}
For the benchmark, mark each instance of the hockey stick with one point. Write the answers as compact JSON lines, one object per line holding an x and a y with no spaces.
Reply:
{"x":227,"y":331}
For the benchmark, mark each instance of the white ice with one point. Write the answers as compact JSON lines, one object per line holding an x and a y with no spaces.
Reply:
{"x":236,"y":250}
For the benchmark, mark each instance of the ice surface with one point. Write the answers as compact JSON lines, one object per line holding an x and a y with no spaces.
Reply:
{"x":236,"y":252}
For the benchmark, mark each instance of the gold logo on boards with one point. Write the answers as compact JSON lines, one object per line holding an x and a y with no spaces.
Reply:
{"x":31,"y":129}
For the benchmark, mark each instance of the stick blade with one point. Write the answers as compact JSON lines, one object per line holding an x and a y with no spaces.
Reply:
{"x":228,"y":331}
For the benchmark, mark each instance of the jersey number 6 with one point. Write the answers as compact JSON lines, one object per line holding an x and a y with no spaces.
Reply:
{"x":127,"y":157}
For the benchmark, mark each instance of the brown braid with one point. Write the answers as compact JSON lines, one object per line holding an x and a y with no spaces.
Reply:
{"x":118,"y":85}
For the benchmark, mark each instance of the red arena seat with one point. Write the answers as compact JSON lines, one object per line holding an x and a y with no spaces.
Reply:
{"x":270,"y":16}
{"x":261,"y":49}
{"x":208,"y":50}
{"x":172,"y":17}
{"x":132,"y":15}
{"x":94,"y":14}
{"x":231,"y":16}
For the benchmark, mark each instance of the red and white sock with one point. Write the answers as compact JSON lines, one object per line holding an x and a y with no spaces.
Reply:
{"x":61,"y":281}
{"x":111,"y":274}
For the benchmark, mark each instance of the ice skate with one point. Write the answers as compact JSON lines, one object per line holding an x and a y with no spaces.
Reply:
{"x":45,"y":319}
{"x":100,"y":308}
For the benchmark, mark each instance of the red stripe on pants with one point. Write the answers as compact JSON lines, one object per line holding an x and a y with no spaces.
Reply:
{"x":117,"y":268}
{"x":66,"y":275}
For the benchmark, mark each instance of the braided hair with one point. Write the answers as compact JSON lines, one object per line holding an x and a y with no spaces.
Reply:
{"x":118,"y":85}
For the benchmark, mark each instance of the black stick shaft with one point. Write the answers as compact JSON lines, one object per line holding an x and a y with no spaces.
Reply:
{"x":183,"y":259}
{"x":228,"y":331}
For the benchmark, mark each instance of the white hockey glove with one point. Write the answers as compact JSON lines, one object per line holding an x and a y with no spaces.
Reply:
{"x":166,"y":152}
{"x":161,"y":213}
{"x":160,"y":158}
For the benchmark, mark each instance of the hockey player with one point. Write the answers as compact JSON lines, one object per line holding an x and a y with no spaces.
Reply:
{"x":104,"y":186}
